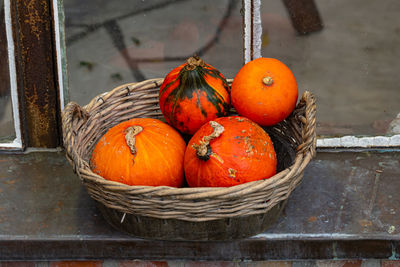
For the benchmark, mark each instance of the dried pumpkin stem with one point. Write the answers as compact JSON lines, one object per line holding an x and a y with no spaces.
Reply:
{"x":193,"y":62}
{"x":203,"y":149}
{"x":130,"y":134}
{"x":268,"y":80}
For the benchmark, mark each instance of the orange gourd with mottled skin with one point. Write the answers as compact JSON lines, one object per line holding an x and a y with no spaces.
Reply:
{"x":265,"y":91}
{"x":141,"y":151}
{"x":193,"y":94}
{"x":229,"y":151}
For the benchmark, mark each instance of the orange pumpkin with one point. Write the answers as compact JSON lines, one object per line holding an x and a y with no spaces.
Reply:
{"x":229,"y":151}
{"x":141,"y":151}
{"x":265,"y":91}
{"x":193,"y":94}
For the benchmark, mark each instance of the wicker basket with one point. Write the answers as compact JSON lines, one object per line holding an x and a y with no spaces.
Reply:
{"x":185,"y":213}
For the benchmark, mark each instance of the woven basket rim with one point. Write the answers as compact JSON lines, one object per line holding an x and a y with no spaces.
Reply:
{"x":297,"y":162}
{"x":74,"y":114}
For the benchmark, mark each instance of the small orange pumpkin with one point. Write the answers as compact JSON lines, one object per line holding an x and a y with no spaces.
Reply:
{"x":193,"y":94}
{"x":229,"y":151}
{"x":265,"y":91}
{"x":141,"y":151}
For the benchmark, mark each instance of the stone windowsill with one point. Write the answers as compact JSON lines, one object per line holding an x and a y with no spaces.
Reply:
{"x":347,"y":207}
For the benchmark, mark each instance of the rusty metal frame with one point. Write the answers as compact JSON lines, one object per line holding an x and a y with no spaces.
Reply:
{"x":37,"y":81}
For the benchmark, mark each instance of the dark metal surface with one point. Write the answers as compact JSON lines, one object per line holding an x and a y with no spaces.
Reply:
{"x":346,"y":207}
{"x":36,"y":76}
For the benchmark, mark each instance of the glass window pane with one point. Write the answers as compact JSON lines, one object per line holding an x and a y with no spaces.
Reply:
{"x":7,"y":130}
{"x":114,"y":42}
{"x":351,"y":65}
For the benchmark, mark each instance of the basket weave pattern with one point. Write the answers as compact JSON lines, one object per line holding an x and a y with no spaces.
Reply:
{"x":84,"y":126}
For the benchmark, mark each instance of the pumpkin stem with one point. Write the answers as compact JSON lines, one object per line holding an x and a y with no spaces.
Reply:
{"x":130,"y":134}
{"x":268,"y":80}
{"x":203,"y":149}
{"x":193,"y":62}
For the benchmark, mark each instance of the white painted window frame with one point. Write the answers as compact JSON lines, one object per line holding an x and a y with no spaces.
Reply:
{"x":60,"y":46}
{"x":252,"y":50}
{"x":16,"y":144}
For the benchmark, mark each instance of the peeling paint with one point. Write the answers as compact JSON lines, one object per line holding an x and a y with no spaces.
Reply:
{"x":363,"y":142}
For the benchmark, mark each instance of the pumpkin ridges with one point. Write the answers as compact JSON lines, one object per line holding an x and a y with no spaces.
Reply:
{"x":172,"y":163}
{"x":188,"y":82}
{"x":151,"y":149}
{"x":108,"y":167}
{"x":156,"y":147}
{"x":108,"y":139}
{"x":127,"y":157}
{"x":237,"y":160}
{"x":154,"y":157}
{"x":168,"y":84}
{"x":185,"y":92}
{"x":205,"y":170}
{"x":218,"y":77}
{"x":213,"y":171}
{"x":144,"y":142}
{"x":116,"y":149}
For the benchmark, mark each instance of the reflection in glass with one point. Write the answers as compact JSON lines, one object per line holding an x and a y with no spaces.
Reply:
{"x":128,"y":41}
{"x":351,"y":64}
{"x":7,"y":131}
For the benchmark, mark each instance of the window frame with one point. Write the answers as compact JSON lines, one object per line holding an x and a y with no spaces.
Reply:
{"x":54,"y":89}
{"x":61,"y":58}
{"x":36,"y":85}
{"x":252,"y":50}
{"x":17,"y":143}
